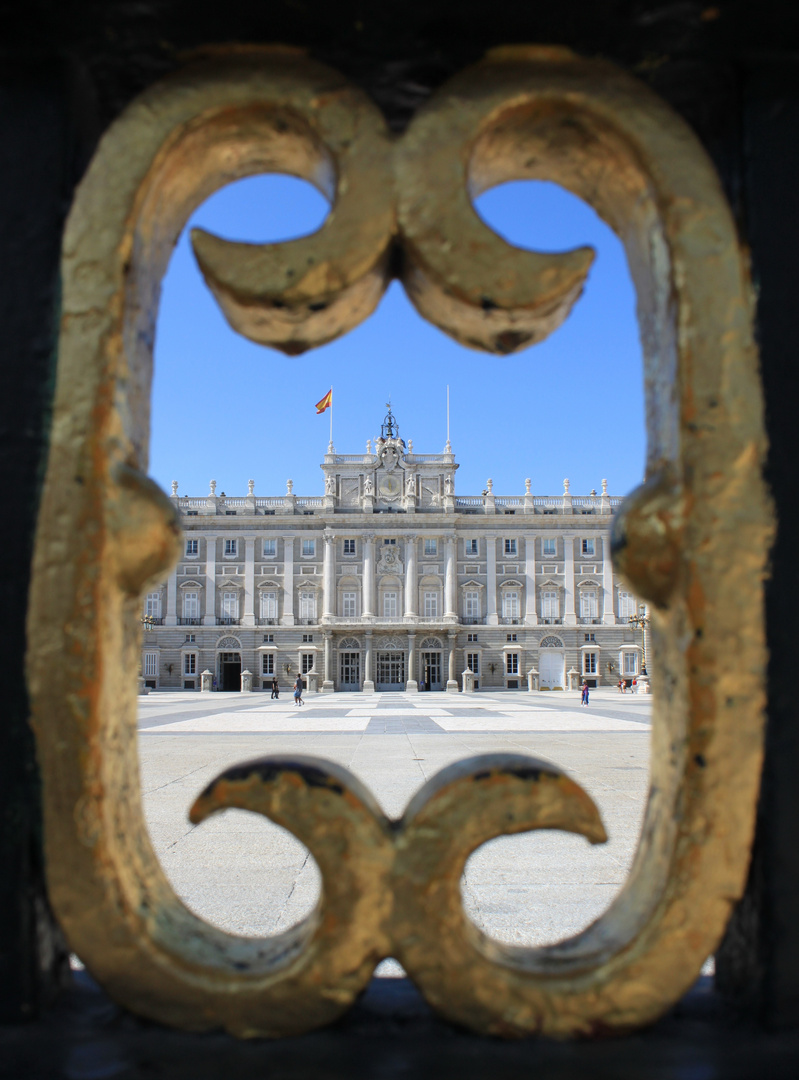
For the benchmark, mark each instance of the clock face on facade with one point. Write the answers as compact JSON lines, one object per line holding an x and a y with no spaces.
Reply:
{"x":390,"y":485}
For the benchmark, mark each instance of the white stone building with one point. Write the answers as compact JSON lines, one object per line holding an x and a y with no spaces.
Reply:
{"x":391,"y":581}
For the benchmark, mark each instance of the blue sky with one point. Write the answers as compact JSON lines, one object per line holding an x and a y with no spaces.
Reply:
{"x":227,"y":409}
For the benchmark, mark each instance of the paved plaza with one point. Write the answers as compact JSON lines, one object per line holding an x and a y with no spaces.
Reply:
{"x":244,"y":874}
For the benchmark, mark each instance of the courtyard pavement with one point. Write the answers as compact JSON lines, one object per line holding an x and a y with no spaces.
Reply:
{"x":244,"y":874}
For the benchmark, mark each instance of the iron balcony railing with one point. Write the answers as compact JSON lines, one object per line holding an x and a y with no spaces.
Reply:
{"x":227,"y":620}
{"x":267,"y":622}
{"x":551,"y":622}
{"x":195,"y":620}
{"x":510,"y":620}
{"x":473,"y":620}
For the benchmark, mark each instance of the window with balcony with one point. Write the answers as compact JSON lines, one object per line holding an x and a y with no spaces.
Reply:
{"x":471,"y":604}
{"x":512,"y":663}
{"x":230,"y":605}
{"x":589,"y":547}
{"x":588,"y":604}
{"x":307,"y":605}
{"x":510,"y":546}
{"x":627,"y":604}
{"x":152,"y":607}
{"x":390,"y":605}
{"x":349,"y":546}
{"x":550,"y":546}
{"x":431,"y":605}
{"x":270,"y":548}
{"x":190,"y":663}
{"x":191,"y":604}
{"x":267,"y":663}
{"x":308,"y":548}
{"x":192,"y":547}
{"x":470,"y":547}
{"x":510,"y":604}
{"x":473,"y":662}
{"x":590,"y":663}
{"x":349,"y":604}
{"x":431,"y":546}
{"x":268,"y":605}
{"x":231,"y":548}
{"x":550,"y":604}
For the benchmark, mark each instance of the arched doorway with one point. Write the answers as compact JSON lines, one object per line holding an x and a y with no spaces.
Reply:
{"x":552,"y":664}
{"x":228,"y":664}
{"x":390,"y":666}
{"x":430,"y":664}
{"x":349,"y":664}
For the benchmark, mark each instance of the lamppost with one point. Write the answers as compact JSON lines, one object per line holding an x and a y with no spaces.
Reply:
{"x":641,"y":622}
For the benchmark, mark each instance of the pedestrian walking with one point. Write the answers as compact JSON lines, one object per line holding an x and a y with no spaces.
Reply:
{"x":298,"y":691}
{"x":634,"y":687}
{"x":621,"y":686}
{"x":584,"y":699}
{"x":275,"y":689}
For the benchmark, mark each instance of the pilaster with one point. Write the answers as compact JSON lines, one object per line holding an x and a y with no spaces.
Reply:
{"x":248,"y":616}
{"x":287,"y":619}
{"x":209,"y":619}
{"x":492,"y":618}
{"x":171,"y":618}
{"x":569,"y":614}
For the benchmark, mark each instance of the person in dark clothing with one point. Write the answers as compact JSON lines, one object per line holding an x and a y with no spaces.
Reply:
{"x":298,"y":691}
{"x":275,"y":689}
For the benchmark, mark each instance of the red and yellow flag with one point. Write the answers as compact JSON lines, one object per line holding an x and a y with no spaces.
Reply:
{"x":325,"y":403}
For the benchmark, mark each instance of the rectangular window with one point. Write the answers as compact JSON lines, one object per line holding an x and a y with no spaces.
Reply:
{"x":630,"y":663}
{"x":190,"y":663}
{"x":550,"y":604}
{"x":431,"y":605}
{"x":390,"y":541}
{"x":430,"y":546}
{"x":230,"y":605}
{"x":269,"y":638}
{"x":307,"y":638}
{"x":473,"y":662}
{"x":471,"y":547}
{"x":267,"y":663}
{"x":270,"y":548}
{"x":512,"y":663}
{"x":390,"y":605}
{"x":589,"y":663}
{"x":510,"y":546}
{"x":589,"y":547}
{"x":471,"y":637}
{"x":153,"y":605}
{"x":471,"y":605}
{"x":349,"y":602}
{"x":309,"y":547}
{"x":349,"y":546}
{"x":307,"y":662}
{"x":150,"y":665}
{"x":307,"y":605}
{"x":510,"y":605}
{"x":550,"y":546}
{"x":231,"y":548}
{"x":626,"y":604}
{"x":510,"y":637}
{"x":588,"y":603}
{"x":191,"y":604}
{"x":268,"y":605}
{"x":192,"y":547}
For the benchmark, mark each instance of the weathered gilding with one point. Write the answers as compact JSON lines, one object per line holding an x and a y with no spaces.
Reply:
{"x":694,"y":540}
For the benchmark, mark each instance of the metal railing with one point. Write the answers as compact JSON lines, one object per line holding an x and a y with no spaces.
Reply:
{"x":551,"y":622}
{"x":227,"y":620}
{"x":267,"y":622}
{"x":193,"y":620}
{"x":510,"y":620}
{"x":473,"y":620}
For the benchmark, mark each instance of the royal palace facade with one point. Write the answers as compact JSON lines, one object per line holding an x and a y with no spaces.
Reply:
{"x":391,"y":581}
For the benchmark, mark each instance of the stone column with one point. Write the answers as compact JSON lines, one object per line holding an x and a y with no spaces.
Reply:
{"x":411,"y":582}
{"x":569,"y":616}
{"x":171,"y":618}
{"x":248,"y":617}
{"x":327,"y":684}
{"x":411,"y":685}
{"x":367,"y":606}
{"x":451,"y":582}
{"x":530,"y":616}
{"x":608,"y":615}
{"x":329,"y":579}
{"x":491,"y":583}
{"x":452,"y":681}
{"x":368,"y":683}
{"x":288,"y":581}
{"x":210,"y":581}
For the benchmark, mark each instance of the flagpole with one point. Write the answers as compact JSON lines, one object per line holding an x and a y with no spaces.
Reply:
{"x":330,"y":449}
{"x":448,"y":448}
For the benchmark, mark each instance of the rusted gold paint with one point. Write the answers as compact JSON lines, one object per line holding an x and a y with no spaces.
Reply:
{"x":693,"y":540}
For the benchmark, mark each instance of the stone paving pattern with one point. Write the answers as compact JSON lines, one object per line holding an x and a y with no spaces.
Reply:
{"x":251,"y":877}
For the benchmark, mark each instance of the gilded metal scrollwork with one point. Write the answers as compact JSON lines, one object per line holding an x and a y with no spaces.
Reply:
{"x":693,"y":540}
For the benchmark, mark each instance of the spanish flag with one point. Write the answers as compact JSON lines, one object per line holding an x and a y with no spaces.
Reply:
{"x":325,"y":403}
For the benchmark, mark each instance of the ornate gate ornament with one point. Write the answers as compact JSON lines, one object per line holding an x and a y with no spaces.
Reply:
{"x":693,"y":540}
